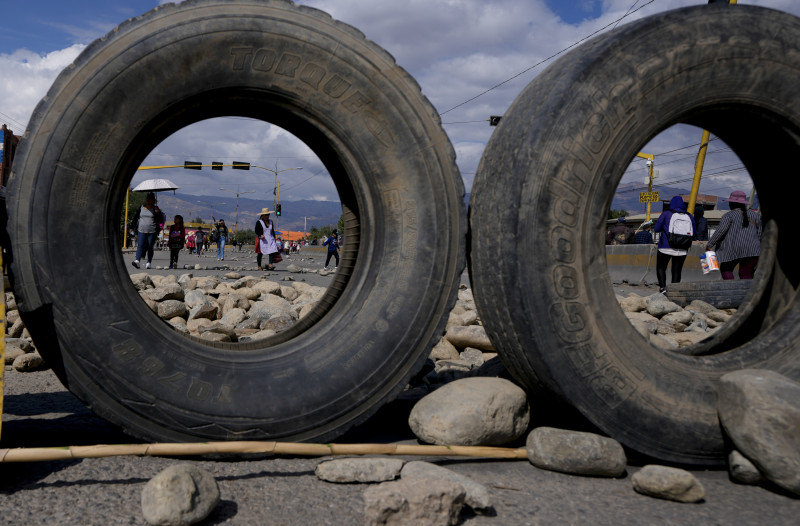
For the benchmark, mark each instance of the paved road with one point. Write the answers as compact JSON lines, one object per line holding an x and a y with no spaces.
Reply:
{"x":244,"y":262}
{"x":284,"y":491}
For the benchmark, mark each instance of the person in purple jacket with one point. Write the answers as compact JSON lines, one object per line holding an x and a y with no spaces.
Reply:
{"x":666,"y":252}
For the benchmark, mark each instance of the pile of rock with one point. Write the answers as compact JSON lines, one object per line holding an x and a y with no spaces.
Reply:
{"x":668,"y":325}
{"x":234,"y":309}
{"x":20,"y":351}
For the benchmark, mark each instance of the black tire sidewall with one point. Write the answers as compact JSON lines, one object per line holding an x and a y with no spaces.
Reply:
{"x":379,"y":138}
{"x":593,"y":111}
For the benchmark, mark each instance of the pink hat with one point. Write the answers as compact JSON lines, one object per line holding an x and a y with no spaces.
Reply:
{"x":737,"y":196}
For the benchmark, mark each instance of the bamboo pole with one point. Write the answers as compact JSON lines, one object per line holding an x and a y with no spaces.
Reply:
{"x":277,"y":448}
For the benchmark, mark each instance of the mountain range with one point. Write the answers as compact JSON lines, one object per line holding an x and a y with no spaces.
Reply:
{"x":295,"y":215}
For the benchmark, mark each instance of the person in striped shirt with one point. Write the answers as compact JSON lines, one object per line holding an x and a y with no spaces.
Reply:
{"x":738,"y":238}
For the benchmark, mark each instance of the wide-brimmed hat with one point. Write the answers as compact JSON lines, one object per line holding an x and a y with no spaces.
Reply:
{"x":265,"y":211}
{"x":737,"y":196}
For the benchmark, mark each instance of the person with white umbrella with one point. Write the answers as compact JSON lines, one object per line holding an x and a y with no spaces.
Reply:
{"x":147,"y":223}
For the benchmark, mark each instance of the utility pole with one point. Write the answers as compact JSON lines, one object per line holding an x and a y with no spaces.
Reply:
{"x":237,"y":193}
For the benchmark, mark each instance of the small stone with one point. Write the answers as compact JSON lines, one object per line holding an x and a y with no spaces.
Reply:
{"x":477,"y":495}
{"x":359,"y":469}
{"x":472,"y":356}
{"x":472,"y":336}
{"x":29,"y":362}
{"x":668,"y":483}
{"x":404,"y":502}
{"x":575,"y":452}
{"x":444,"y":350}
{"x":742,"y":470}
{"x":179,"y":495}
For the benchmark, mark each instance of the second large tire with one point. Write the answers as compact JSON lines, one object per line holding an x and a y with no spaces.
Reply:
{"x":365,"y":118}
{"x":546,"y":182}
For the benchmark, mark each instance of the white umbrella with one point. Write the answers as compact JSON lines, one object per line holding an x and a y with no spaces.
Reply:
{"x":156,"y":185}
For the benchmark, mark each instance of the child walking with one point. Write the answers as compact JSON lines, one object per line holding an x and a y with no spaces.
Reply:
{"x":177,"y":234}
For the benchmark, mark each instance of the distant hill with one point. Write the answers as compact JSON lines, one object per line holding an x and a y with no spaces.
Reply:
{"x":295,"y":215}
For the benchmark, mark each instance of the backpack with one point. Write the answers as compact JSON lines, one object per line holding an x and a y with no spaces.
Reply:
{"x":214,"y":236}
{"x":680,"y":231}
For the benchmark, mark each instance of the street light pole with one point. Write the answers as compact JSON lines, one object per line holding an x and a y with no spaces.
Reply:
{"x":276,"y":189}
{"x":236,"y":224}
{"x":212,"y":210}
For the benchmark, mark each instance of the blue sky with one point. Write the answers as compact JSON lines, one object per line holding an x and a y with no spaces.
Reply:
{"x":455,"y":49}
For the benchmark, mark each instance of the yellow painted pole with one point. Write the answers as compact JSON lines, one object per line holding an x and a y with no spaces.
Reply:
{"x":125,"y":226}
{"x":698,"y":170}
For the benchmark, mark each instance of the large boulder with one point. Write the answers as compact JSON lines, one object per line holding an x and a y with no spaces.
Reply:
{"x":760,"y":412}
{"x":472,"y":412}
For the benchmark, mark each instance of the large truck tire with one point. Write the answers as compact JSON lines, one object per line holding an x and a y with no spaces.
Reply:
{"x":544,"y":187}
{"x":380,"y":140}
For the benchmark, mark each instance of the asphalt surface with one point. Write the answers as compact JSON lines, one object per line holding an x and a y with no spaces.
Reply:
{"x":40,"y":412}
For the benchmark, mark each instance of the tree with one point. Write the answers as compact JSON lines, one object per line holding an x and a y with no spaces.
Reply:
{"x":246,"y":237}
{"x":613,"y":214}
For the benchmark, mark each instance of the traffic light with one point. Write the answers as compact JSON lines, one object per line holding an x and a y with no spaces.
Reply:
{"x":238,"y":165}
{"x":192,"y":165}
{"x":278,"y":209}
{"x":216,"y":165}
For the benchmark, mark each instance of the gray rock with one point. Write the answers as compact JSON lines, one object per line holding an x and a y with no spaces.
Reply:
{"x":698,"y":325}
{"x":414,"y":502}
{"x":194,"y":298}
{"x":20,"y":343}
{"x":658,"y":305}
{"x":12,"y":353}
{"x":377,"y":469}
{"x":472,"y":336}
{"x":294,"y":269}
{"x":179,"y":495}
{"x":169,"y":291}
{"x":668,"y":483}
{"x":681,"y":317}
{"x":142,"y":281}
{"x":742,"y":470}
{"x":575,"y":452}
{"x":444,"y":350}
{"x":472,"y":356}
{"x":205,"y":310}
{"x":477,"y":495}
{"x":701,"y":306}
{"x":760,"y":411}
{"x":633,"y":303}
{"x":278,"y":323}
{"x":29,"y":362}
{"x":170,"y":309}
{"x":472,"y":412}
{"x":718,"y":316}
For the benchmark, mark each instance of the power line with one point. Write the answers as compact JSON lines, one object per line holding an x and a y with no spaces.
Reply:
{"x":12,"y":120}
{"x":547,"y":59}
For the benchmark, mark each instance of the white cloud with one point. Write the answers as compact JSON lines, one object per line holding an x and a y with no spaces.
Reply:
{"x":26,"y":78}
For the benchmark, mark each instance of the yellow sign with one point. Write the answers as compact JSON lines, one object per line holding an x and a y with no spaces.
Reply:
{"x":648,"y":197}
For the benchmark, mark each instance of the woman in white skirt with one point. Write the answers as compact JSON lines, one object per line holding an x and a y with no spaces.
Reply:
{"x":265,"y":239}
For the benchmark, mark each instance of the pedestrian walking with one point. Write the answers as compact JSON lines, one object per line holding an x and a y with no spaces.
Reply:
{"x":177,"y":234}
{"x":221,"y":236}
{"x":738,"y":238}
{"x":147,"y":223}
{"x":332,"y":242}
{"x":677,"y":230}
{"x":265,"y":239}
